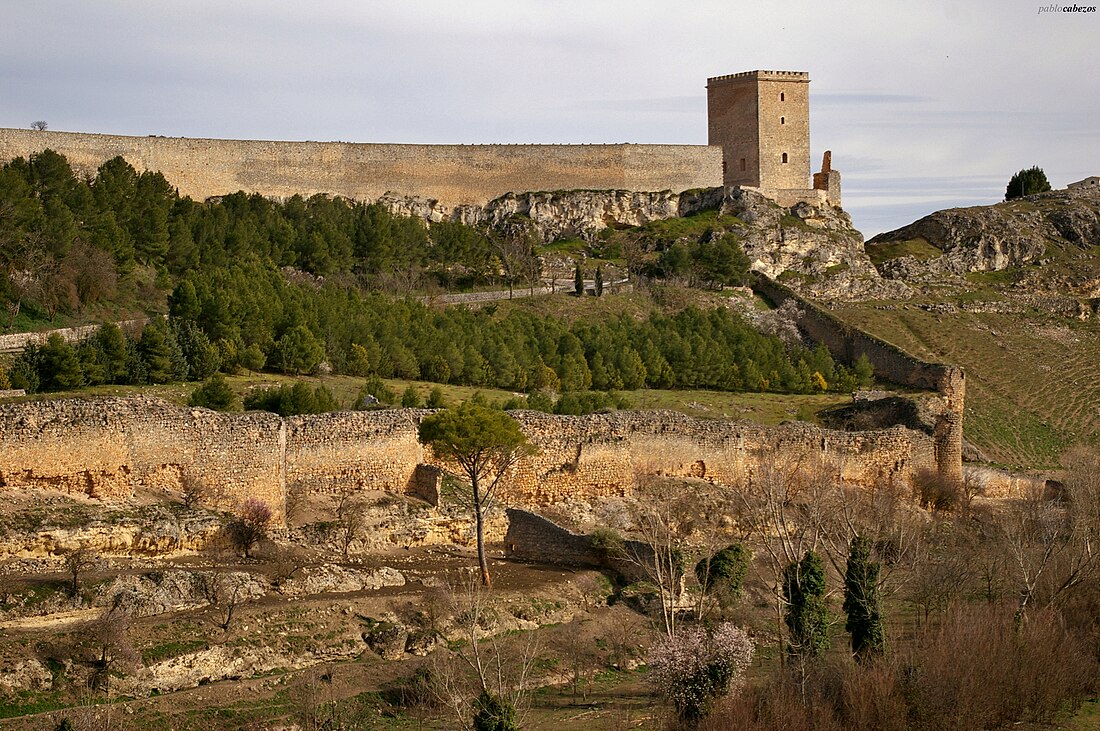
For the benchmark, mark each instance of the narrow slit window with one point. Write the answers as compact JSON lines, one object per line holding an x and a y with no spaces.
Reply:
{"x":782,"y":97}
{"x":784,"y":158}
{"x":782,"y":120}
{"x":742,"y":164}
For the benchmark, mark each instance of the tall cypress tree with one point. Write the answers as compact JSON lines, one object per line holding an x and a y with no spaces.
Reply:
{"x":862,"y":602}
{"x":807,"y":615}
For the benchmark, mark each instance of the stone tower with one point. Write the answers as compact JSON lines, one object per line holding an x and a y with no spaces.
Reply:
{"x":761,"y":120}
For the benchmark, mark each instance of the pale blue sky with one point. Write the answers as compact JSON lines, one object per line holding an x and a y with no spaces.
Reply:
{"x":925,"y":105}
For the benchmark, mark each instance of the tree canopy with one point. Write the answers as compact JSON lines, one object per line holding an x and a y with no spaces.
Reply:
{"x":484,"y":443}
{"x":1027,"y":182}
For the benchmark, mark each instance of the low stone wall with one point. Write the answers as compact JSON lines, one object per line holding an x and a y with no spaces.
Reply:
{"x":531,"y":537}
{"x":15,"y":342}
{"x":109,"y":448}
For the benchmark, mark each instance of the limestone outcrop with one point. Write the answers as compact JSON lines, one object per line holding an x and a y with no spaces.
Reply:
{"x":814,"y":247}
{"x":991,"y":238}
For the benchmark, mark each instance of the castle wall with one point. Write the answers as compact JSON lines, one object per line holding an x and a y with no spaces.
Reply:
{"x":890,"y":363}
{"x":451,"y":174}
{"x":110,"y":448}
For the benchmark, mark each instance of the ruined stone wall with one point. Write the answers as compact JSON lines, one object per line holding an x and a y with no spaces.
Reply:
{"x":450,"y":174}
{"x":531,"y":537}
{"x":890,"y":363}
{"x":109,"y":448}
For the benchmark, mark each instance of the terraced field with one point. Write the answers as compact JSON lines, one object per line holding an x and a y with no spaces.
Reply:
{"x":1033,"y":380}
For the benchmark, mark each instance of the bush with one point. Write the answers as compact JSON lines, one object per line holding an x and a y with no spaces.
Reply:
{"x":694,"y":668}
{"x":1027,"y":182}
{"x":493,"y":713}
{"x":293,"y":400}
{"x":723,"y":573}
{"x":216,"y":394}
{"x":606,"y":543}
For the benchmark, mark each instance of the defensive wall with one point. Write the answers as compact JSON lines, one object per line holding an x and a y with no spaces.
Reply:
{"x":891,"y":363}
{"x":450,"y":174}
{"x":109,"y":448}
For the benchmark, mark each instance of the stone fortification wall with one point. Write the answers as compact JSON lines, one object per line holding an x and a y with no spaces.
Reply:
{"x":451,"y":174}
{"x":15,"y":342}
{"x":109,"y":448}
{"x":354,"y":450}
{"x":891,"y":363}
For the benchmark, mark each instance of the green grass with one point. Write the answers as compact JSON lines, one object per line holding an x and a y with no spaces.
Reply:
{"x":918,"y":248}
{"x":1033,"y":381}
{"x":172,"y":648}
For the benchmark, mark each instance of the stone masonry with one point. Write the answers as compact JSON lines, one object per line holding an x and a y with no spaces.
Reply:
{"x":110,"y":448}
{"x":759,"y":137}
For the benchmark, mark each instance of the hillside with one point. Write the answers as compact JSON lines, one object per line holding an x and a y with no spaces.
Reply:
{"x":1009,"y":292}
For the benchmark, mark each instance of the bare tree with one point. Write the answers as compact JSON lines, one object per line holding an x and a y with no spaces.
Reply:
{"x":39,"y":125}
{"x":1054,"y":544}
{"x":515,"y":250}
{"x":110,"y":639}
{"x":351,"y":520}
{"x":193,"y":490}
{"x":494,"y":670}
{"x":225,"y":591}
{"x":77,"y":563}
{"x":251,"y":524}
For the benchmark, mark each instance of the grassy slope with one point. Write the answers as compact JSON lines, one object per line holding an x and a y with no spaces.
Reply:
{"x":1033,"y":381}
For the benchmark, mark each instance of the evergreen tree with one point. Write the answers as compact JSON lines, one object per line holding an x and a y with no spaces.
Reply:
{"x":862,"y":602}
{"x":599,"y":281}
{"x":253,"y":357}
{"x":578,"y":281}
{"x":410,"y":399}
{"x":59,"y":368}
{"x":159,"y":355}
{"x":297,"y":351}
{"x":807,"y":616}
{"x":1027,"y":182}
{"x":216,"y":394}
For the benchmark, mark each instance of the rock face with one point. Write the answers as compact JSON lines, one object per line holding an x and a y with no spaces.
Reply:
{"x":990,"y":238}
{"x":812,"y":248}
{"x":562,"y":214}
{"x":816,"y":244}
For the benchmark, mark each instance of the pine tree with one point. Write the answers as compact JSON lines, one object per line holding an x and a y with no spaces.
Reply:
{"x":1027,"y":182}
{"x":578,"y":281}
{"x":59,"y":368}
{"x":862,"y":602}
{"x":599,"y":281}
{"x":807,"y":616}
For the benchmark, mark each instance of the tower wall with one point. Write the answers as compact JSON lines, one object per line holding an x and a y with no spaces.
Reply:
{"x":757,"y":117}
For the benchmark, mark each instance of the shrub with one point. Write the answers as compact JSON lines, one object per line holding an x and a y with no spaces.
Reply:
{"x":216,"y":394}
{"x":723,"y":573}
{"x":493,"y":713}
{"x":606,"y":544}
{"x":694,"y":667}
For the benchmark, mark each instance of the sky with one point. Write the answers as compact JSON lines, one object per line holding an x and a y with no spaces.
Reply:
{"x":925,"y":104}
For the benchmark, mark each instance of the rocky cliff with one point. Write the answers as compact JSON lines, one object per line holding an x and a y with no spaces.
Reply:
{"x":815,"y":248}
{"x":1031,"y":230}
